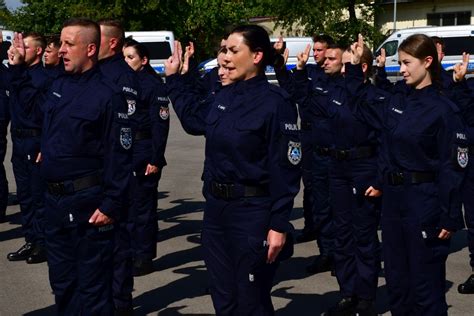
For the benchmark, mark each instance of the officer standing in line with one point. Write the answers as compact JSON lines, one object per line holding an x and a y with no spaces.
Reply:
{"x":148,"y":157}
{"x":52,"y":62}
{"x":86,"y":141}
{"x":315,"y":139}
{"x":26,"y":123}
{"x":115,"y":69}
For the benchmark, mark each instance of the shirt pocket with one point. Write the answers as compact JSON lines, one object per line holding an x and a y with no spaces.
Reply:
{"x":86,"y":131}
{"x":249,"y":138}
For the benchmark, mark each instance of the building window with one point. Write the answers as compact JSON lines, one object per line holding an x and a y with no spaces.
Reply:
{"x":449,"y":18}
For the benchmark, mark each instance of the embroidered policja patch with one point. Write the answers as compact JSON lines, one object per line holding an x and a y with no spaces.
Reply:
{"x":164,"y":113}
{"x":294,"y":152}
{"x":463,"y":157}
{"x":132,"y":106}
{"x":126,"y":137}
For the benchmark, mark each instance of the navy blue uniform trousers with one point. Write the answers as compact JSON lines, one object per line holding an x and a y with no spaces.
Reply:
{"x":415,"y":267}
{"x":30,"y":187}
{"x":468,"y":201}
{"x":233,"y":238}
{"x":79,"y":254}
{"x":322,"y":214}
{"x":355,"y":220}
{"x":3,"y":176}
{"x":307,"y":177}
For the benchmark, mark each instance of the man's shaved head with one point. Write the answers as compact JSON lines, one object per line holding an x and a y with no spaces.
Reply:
{"x":90,"y":30}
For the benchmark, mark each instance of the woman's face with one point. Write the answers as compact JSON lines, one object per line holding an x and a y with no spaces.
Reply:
{"x":415,"y":71}
{"x":223,"y":72}
{"x":240,"y":61}
{"x":133,"y":60}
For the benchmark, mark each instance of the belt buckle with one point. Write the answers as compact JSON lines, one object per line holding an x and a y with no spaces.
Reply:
{"x":56,"y":187}
{"x":223,"y":190}
{"x":342,"y":154}
{"x":397,"y":178}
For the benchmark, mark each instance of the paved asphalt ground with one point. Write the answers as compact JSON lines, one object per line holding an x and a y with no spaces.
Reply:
{"x":178,"y":286}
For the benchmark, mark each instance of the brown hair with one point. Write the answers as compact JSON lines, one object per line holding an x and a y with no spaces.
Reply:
{"x":89,"y":24}
{"x":39,"y":39}
{"x":421,"y":46}
{"x":114,"y":29}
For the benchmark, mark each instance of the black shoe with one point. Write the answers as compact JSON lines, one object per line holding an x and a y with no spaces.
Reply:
{"x":123,"y":311}
{"x":468,"y":286}
{"x":38,"y":255}
{"x":365,"y":308}
{"x":22,"y":253}
{"x":306,"y":235}
{"x":344,"y":307}
{"x":320,"y":264}
{"x":142,"y":267}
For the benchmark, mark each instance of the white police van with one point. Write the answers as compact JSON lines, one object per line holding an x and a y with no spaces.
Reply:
{"x":295,"y":45}
{"x":7,"y":39}
{"x":457,"y":39}
{"x":160,"y":45}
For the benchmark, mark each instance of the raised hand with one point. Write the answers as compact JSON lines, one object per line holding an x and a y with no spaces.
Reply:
{"x":303,"y":57}
{"x":16,"y":52}
{"x":173,"y":63}
{"x":357,"y":49}
{"x":188,"y":54}
{"x":460,"y":69}
{"x":381,"y":59}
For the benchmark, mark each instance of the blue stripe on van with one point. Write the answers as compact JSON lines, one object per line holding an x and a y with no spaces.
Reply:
{"x":392,"y":69}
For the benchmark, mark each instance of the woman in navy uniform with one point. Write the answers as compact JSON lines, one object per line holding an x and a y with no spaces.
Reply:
{"x":152,"y":119}
{"x":252,"y":173}
{"x":426,"y":152}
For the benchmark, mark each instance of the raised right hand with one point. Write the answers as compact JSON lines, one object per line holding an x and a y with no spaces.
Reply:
{"x":303,"y":57}
{"x":173,"y":63}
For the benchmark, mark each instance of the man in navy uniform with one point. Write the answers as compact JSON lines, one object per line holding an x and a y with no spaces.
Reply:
{"x":115,"y":69}
{"x":26,"y":133}
{"x":85,"y":145}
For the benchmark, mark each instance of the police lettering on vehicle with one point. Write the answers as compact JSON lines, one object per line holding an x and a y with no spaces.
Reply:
{"x":164,"y":112}
{"x":294,"y":152}
{"x":463,"y":156}
{"x":132,"y":106}
{"x":126,"y":137}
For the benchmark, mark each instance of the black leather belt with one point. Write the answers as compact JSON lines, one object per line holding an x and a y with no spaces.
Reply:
{"x":306,"y":126}
{"x":23,"y":132}
{"x":322,"y":151}
{"x":140,"y":135}
{"x":228,"y":191}
{"x":68,"y":187}
{"x":400,"y":178}
{"x":354,"y":153}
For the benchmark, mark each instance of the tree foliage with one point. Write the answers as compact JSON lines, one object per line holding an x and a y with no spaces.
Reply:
{"x":204,"y":21}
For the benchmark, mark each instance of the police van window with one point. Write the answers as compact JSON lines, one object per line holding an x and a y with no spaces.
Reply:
{"x":458,"y":45}
{"x":3,"y":50}
{"x":158,"y":50}
{"x":390,"y":48}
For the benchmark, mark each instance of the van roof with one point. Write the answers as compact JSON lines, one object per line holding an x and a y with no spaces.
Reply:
{"x":422,"y":29}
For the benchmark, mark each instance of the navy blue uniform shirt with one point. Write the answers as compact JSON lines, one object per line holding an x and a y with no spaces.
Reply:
{"x":422,"y":131}
{"x":86,"y":130}
{"x":251,"y":139}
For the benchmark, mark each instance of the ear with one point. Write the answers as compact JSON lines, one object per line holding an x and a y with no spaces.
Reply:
{"x":257,"y":57}
{"x":113,"y":42}
{"x":428,"y":61}
{"x":365,"y":67}
{"x":39,"y":51}
{"x":91,"y":49}
{"x":144,"y":61}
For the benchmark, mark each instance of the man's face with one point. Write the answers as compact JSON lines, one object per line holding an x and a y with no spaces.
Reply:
{"x":74,"y":50}
{"x":319,"y":51}
{"x":333,"y":61}
{"x":32,"y":51}
{"x":51,"y":55}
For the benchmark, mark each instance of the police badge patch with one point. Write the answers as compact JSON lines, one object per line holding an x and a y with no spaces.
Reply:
{"x":463,"y":157}
{"x":132,"y":106}
{"x":126,"y":137}
{"x":164,"y":112}
{"x":294,"y":152}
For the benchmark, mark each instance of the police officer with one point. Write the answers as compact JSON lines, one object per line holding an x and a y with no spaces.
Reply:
{"x":148,"y":157}
{"x":26,"y":123}
{"x":86,"y":143}
{"x":252,"y":158}
{"x":115,"y":69}
{"x":315,"y":138}
{"x":426,"y":152}
{"x":353,"y":176}
{"x":4,"y":121}
{"x":52,"y":62}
